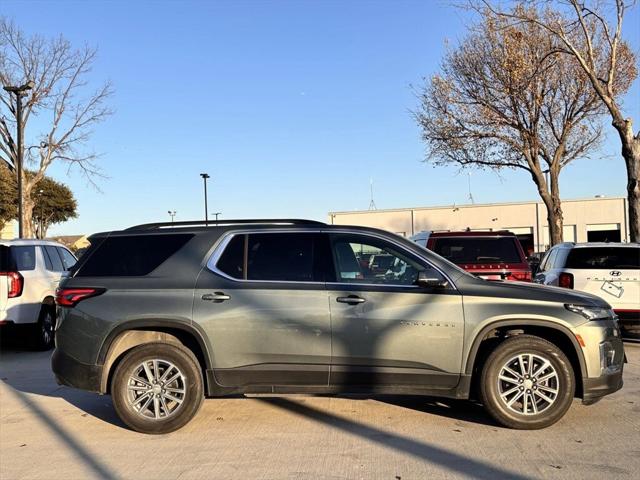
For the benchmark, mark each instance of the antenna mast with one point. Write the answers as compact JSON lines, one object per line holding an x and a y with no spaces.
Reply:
{"x":372,"y":204}
{"x":470,"y":194}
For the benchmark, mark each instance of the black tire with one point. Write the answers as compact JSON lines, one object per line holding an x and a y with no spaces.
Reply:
{"x":42,"y":333}
{"x":536,"y":351}
{"x":190,"y":381}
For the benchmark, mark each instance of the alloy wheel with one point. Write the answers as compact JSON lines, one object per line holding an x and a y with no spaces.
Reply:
{"x":528,"y":384}
{"x":156,"y":389}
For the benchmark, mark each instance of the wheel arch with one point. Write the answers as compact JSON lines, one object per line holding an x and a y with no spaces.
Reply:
{"x":135,"y":333}
{"x":496,"y":332}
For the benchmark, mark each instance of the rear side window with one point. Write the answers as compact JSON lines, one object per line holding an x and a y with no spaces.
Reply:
{"x":604,"y":257}
{"x":68,"y":260}
{"x":52,"y":259}
{"x":18,"y":258}
{"x":290,"y":257}
{"x":131,"y":256}
{"x":462,"y":250}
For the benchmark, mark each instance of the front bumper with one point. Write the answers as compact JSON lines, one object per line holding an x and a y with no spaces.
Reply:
{"x":596,"y":388}
{"x":72,"y":373}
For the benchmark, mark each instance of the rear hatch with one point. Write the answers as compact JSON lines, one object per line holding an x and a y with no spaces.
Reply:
{"x":610,"y":272}
{"x":492,"y":257}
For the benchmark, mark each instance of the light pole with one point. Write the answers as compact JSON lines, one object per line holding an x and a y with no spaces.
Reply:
{"x":19,"y":92}
{"x":216,"y":214}
{"x":172,"y":213}
{"x":206,"y":214}
{"x":40,"y":192}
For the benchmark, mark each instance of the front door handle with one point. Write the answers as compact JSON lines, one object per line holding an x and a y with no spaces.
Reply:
{"x":216,"y":297}
{"x":351,"y":299}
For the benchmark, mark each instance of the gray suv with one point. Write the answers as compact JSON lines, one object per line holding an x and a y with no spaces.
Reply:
{"x":162,"y":315}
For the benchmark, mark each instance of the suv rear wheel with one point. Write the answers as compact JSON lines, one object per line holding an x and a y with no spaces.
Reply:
{"x":157,"y":388}
{"x":527,"y":383}
{"x":41,"y":333}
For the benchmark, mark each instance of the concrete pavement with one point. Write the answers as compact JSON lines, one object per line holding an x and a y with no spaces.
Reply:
{"x":48,"y":431}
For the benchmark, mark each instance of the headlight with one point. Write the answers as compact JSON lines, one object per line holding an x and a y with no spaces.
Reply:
{"x":591,"y":313}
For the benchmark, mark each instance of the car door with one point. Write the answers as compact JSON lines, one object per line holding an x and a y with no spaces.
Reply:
{"x":263,"y":305}
{"x":387,"y":330}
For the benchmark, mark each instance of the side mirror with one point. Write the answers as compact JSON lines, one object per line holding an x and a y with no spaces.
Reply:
{"x":426,"y":281}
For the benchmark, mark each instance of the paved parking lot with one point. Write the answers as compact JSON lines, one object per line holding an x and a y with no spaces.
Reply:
{"x":48,"y":431}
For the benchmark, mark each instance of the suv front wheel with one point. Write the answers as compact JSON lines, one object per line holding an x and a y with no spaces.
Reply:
{"x":157,"y":388}
{"x":527,"y":383}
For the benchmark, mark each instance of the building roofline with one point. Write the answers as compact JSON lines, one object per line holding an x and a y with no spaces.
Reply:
{"x":468,"y":205}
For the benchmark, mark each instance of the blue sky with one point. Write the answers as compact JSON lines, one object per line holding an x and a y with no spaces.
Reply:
{"x":290,"y":106}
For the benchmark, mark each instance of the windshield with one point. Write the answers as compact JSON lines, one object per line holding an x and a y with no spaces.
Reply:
{"x":604,"y":257}
{"x":464,"y":250}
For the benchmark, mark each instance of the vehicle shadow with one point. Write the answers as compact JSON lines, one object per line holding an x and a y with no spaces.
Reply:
{"x":28,"y":371}
{"x":463,"y":410}
{"x":434,"y":454}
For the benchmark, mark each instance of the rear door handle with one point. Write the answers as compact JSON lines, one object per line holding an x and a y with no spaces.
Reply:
{"x":351,"y":300}
{"x":216,"y":297}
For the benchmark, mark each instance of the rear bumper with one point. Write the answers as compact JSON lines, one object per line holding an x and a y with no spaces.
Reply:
{"x":629,"y":321}
{"x":72,"y":373}
{"x":596,"y":388}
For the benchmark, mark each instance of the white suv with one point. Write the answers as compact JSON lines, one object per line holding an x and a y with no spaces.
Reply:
{"x":30,"y":271}
{"x":609,"y":270}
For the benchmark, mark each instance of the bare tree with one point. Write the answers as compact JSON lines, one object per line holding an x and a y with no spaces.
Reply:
{"x":592,"y":37}
{"x":65,"y":109}
{"x":507,"y":99}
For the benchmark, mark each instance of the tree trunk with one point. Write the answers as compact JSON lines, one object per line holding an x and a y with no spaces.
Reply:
{"x":551,"y":199}
{"x":631,"y":155}
{"x":27,"y":211}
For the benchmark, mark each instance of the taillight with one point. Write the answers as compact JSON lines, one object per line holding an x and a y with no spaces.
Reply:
{"x":523,"y":276}
{"x":16,"y":283}
{"x":70,"y":297}
{"x":565,"y":280}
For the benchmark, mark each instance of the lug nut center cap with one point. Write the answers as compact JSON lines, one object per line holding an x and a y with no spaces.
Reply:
{"x":528,"y":384}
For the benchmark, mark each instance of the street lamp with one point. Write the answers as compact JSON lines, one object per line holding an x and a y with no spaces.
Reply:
{"x":206,"y":214}
{"x":19,"y":92}
{"x":40,"y":192}
{"x":172,"y":213}
{"x":216,"y":214}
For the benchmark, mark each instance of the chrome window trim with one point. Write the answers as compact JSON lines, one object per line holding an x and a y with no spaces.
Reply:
{"x":226,"y":238}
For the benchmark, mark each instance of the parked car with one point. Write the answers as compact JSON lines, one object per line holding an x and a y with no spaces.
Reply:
{"x":29,"y":274}
{"x":489,"y":255}
{"x":161,"y":315}
{"x":609,"y":270}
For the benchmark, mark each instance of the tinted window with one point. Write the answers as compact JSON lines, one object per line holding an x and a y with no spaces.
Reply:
{"x":232,"y":259}
{"x":604,"y":257}
{"x":18,"y":258}
{"x":47,"y":261}
{"x":54,"y":258}
{"x":287,"y":257}
{"x":68,"y":260}
{"x":463,"y":250}
{"x":134,"y":255}
{"x":293,"y":257}
{"x":363,"y":259}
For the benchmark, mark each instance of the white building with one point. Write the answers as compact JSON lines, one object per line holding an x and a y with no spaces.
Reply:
{"x":593,"y":219}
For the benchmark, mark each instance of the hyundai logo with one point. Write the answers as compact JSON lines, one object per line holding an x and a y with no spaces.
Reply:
{"x":615,"y":273}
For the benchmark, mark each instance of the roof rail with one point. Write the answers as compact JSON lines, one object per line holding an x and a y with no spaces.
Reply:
{"x":213,"y":223}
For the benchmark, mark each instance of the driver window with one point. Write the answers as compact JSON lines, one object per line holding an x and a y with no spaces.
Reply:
{"x":363,"y":259}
